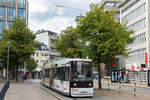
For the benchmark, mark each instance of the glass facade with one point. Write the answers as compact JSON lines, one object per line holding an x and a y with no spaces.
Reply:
{"x":8,"y":13}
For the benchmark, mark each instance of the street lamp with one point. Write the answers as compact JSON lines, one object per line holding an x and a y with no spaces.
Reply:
{"x":8,"y":59}
{"x":82,"y":48}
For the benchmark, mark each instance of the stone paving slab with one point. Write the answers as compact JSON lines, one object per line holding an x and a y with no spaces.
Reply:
{"x":27,"y":91}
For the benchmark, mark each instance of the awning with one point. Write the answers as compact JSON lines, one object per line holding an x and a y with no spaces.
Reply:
{"x":38,"y":69}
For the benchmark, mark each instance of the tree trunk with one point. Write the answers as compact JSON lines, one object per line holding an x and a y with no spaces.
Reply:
{"x":17,"y":74}
{"x":99,"y":76}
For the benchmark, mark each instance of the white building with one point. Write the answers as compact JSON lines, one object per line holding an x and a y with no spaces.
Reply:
{"x":47,"y":51}
{"x":136,"y":14}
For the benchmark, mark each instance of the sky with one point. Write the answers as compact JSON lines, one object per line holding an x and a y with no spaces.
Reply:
{"x":46,"y":14}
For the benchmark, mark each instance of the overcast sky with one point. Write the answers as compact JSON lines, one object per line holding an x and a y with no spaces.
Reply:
{"x":44,"y":14}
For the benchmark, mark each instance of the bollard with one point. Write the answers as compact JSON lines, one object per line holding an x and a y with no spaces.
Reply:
{"x":108,"y":85}
{"x":134,"y":89}
{"x":119,"y":87}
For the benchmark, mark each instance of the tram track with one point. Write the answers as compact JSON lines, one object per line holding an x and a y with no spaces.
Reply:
{"x":56,"y":94}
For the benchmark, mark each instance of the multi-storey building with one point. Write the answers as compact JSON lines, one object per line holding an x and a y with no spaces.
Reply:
{"x":47,"y":51}
{"x":10,"y":9}
{"x":136,"y":13}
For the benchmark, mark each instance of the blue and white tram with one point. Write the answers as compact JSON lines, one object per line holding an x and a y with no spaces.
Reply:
{"x":72,"y":77}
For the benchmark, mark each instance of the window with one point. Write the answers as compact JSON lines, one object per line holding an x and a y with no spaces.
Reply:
{"x":52,"y":41}
{"x":47,"y":73}
{"x":9,"y":24}
{"x":130,"y":6}
{"x":66,"y":71}
{"x":2,"y":26}
{"x":2,"y":14}
{"x":137,"y":25}
{"x":2,"y":2}
{"x":81,"y":71}
{"x":21,"y":3}
{"x":11,"y":14}
{"x":137,"y":12}
{"x":10,"y":3}
{"x":20,"y":12}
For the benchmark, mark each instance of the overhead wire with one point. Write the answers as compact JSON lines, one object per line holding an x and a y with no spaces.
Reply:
{"x":58,"y":5}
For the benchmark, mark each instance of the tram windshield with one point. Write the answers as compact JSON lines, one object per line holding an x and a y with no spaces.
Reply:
{"x":81,"y":71}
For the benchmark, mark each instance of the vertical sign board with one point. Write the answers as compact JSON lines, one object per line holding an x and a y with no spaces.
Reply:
{"x":148,"y":80}
{"x":146,"y":64}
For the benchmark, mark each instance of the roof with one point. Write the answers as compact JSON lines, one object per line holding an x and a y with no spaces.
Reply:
{"x":64,"y":61}
{"x":49,"y":32}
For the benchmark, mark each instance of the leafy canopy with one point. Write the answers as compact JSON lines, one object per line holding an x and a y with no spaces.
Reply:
{"x":31,"y":64}
{"x":106,"y":38}
{"x":22,"y":43}
{"x":68,"y":44}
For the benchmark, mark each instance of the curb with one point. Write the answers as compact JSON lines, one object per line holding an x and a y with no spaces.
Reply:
{"x":51,"y":93}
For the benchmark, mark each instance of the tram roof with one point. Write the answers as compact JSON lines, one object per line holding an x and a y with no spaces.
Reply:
{"x":62,"y":61}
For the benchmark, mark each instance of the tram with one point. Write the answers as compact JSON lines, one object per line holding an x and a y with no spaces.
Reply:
{"x":72,"y":77}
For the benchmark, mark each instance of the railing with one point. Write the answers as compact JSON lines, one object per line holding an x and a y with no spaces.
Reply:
{"x":4,"y":90}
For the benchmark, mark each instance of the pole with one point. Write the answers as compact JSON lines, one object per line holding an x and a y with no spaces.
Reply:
{"x":82,"y":48}
{"x":134,"y":93}
{"x":8,"y":60}
{"x":108,"y":85}
{"x":119,"y":87}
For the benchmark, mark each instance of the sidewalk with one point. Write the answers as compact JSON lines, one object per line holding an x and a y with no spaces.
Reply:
{"x":142,"y":85}
{"x":27,"y":91}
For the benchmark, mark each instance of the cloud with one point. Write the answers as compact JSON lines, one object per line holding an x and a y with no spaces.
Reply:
{"x":45,"y":14}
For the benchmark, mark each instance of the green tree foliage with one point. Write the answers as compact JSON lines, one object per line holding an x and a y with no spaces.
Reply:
{"x":68,"y":44}
{"x":106,"y":38}
{"x":22,"y":44}
{"x":31,"y":64}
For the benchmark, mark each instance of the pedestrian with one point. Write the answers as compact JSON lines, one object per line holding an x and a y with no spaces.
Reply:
{"x":40,"y":75}
{"x":25,"y":76}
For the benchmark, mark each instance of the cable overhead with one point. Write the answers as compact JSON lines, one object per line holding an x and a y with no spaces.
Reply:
{"x":69,"y":7}
{"x":58,"y":5}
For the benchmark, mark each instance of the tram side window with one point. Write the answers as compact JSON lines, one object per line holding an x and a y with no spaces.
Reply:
{"x":62,"y":75}
{"x":66,"y":72}
{"x":55,"y":73}
{"x":46,"y":73}
{"x":59,"y":73}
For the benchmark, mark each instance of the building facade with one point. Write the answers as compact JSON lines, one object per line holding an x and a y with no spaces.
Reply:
{"x":136,"y":14}
{"x":47,"y":51}
{"x":9,"y":10}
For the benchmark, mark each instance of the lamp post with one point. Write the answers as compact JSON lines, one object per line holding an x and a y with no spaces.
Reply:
{"x":82,"y":48}
{"x":8,"y":59}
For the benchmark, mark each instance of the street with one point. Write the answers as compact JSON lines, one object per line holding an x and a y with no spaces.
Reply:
{"x":33,"y":90}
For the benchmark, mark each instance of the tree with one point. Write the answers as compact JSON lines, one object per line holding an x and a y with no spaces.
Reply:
{"x":22,"y":44}
{"x":106,"y":38}
{"x":68,"y":44}
{"x":31,"y":64}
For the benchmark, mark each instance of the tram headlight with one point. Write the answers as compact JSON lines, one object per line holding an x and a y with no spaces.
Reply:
{"x":75,"y":84}
{"x":90,"y":84}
